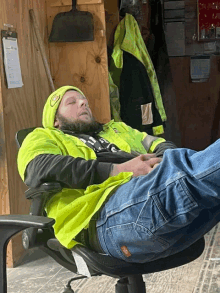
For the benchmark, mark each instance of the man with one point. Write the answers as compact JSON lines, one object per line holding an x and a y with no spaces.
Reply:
{"x":119,"y":196}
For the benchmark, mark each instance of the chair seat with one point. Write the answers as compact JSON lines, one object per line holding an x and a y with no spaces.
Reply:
{"x":114,"y":267}
{"x":54,"y":244}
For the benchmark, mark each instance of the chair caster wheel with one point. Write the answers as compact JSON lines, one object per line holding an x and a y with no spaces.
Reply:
{"x":68,"y":290}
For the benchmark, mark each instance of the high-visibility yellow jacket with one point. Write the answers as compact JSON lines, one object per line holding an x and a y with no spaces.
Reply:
{"x":73,"y":209}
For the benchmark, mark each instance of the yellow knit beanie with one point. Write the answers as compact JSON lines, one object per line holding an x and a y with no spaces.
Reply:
{"x":52,"y":104}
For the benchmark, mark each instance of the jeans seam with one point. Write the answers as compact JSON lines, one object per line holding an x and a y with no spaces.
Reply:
{"x":207,"y":172}
{"x":158,"y":205}
{"x":125,"y":206}
{"x":108,"y":230}
{"x":153,"y":235}
{"x":101,"y":239}
{"x":141,"y":211}
{"x":186,"y":190}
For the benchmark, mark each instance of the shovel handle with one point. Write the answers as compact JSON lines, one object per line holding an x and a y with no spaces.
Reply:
{"x":74,"y":5}
{"x":42,"y":49}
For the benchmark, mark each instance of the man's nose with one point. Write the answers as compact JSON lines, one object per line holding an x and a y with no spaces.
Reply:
{"x":82,"y":103}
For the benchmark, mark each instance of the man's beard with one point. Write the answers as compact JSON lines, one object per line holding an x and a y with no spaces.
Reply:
{"x":79,"y":126}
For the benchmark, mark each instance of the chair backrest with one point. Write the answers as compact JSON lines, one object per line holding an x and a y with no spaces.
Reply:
{"x":21,"y":134}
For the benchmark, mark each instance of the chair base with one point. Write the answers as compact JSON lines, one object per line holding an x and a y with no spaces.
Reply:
{"x":5,"y":236}
{"x":132,"y":284}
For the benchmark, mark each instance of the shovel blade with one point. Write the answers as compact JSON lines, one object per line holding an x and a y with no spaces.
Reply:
{"x":72,"y":26}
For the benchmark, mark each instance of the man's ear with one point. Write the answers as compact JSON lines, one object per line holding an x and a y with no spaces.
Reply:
{"x":56,"y":123}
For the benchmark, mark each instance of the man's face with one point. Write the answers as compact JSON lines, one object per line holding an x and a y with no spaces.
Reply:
{"x":74,"y":108}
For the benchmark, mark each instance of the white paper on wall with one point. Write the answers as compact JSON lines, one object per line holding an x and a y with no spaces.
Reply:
{"x":200,"y":68}
{"x":12,"y":62}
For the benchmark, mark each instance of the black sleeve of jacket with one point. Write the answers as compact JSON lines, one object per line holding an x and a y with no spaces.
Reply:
{"x":68,"y":171}
{"x":160,"y":148}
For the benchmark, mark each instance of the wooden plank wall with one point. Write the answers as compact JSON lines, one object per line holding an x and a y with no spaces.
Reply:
{"x":20,"y":108}
{"x":83,"y":64}
{"x":191,"y":29}
{"x":197,"y":104}
{"x":112,"y":20}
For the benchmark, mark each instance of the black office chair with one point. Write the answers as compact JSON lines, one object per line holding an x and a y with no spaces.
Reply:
{"x":38,"y":232}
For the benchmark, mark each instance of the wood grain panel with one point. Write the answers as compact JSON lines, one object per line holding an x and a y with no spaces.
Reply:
{"x":112,"y":20}
{"x":197,"y":103}
{"x":22,"y":107}
{"x":84,"y":64}
{"x":4,"y":203}
{"x":193,"y":47}
{"x":58,"y":3}
{"x":190,"y":5}
{"x":145,"y":20}
{"x":174,"y":5}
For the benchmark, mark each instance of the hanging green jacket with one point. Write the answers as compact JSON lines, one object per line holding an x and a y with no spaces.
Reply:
{"x":128,"y":39}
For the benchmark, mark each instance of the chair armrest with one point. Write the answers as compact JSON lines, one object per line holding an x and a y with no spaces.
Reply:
{"x":30,"y":224}
{"x":38,"y":196}
{"x":41,"y":195}
{"x":45,"y":188}
{"x":26,"y":221}
{"x":10,"y":225}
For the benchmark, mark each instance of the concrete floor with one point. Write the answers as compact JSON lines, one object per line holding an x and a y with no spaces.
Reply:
{"x":39,"y":273}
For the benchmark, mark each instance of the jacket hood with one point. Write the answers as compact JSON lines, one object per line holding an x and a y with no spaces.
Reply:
{"x":52,"y":104}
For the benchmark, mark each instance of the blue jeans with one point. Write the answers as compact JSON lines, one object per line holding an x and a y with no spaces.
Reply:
{"x":165,"y":211}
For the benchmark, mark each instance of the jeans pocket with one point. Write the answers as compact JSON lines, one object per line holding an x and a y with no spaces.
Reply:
{"x":134,"y":243}
{"x":168,"y":204}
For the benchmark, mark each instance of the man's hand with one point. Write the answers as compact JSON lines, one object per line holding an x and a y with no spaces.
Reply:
{"x":140,"y":165}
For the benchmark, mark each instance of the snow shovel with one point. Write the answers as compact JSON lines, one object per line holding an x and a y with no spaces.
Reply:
{"x":72,"y":26}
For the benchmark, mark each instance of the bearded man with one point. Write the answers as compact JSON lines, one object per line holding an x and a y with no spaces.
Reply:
{"x":125,"y":193}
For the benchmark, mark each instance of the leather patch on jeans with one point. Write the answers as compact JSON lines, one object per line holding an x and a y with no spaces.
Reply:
{"x":126,"y":251}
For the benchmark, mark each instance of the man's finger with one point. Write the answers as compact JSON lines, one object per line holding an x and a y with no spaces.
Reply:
{"x":155,"y":166}
{"x":146,"y":157}
{"x":154,"y":161}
